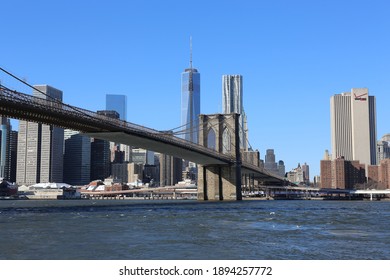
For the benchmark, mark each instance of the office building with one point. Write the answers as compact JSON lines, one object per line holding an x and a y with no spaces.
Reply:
{"x":270,"y":163}
{"x":40,"y":146}
{"x":77,"y":158}
{"x":281,"y":168}
{"x":142,"y":156}
{"x":170,"y":170}
{"x":306,"y":173}
{"x":383,"y":148}
{"x":353,"y":126}
{"x":127,"y":173}
{"x":8,"y":150}
{"x":100,"y":152}
{"x":190,"y":102}
{"x":232,"y":102}
{"x":118,"y":103}
{"x":297,"y":175}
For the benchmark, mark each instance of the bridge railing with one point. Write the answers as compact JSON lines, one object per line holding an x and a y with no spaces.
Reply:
{"x":58,"y":106}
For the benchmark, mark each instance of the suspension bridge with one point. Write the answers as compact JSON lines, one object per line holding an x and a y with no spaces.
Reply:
{"x":220,"y":169}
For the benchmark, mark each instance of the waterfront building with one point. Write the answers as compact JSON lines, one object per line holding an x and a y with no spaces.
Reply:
{"x":190,"y":102}
{"x":77,"y":158}
{"x":232,"y":102}
{"x":127,"y":172}
{"x":384,"y":173}
{"x":40,"y":146}
{"x":342,"y":174}
{"x":353,"y":126}
{"x":8,"y":150}
{"x":372,"y":176}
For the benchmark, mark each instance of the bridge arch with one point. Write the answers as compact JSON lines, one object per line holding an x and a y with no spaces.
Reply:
{"x":211,"y":139}
{"x":226,"y":141}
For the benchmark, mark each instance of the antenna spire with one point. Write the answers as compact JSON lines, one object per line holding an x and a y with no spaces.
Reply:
{"x":190,"y":52}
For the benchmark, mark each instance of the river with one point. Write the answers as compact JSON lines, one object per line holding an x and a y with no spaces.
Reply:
{"x":186,"y":230}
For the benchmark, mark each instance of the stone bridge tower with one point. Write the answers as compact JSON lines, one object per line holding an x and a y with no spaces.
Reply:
{"x":220,"y":182}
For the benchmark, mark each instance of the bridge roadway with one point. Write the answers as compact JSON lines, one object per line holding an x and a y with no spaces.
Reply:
{"x":21,"y":106}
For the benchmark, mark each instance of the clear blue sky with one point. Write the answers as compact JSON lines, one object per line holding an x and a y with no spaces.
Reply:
{"x":293,"y":55}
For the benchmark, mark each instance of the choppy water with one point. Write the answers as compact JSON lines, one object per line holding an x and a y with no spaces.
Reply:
{"x":199,"y":230}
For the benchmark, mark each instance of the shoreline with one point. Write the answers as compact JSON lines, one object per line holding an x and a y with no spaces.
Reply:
{"x":42,"y":203}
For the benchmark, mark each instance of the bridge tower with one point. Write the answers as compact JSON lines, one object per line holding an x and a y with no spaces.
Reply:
{"x":220,"y":182}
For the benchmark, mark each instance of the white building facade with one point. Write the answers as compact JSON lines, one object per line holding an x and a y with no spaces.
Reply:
{"x":353,"y":126}
{"x":232,"y":102}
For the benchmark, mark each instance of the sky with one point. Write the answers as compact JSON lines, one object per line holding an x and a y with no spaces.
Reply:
{"x":293,"y":56}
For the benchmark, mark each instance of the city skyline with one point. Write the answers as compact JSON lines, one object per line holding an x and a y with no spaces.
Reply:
{"x":293,"y":57}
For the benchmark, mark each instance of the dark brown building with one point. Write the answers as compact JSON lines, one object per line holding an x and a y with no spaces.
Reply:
{"x":341,"y":174}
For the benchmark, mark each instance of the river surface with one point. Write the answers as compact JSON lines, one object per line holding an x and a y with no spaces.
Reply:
{"x":172,"y":230}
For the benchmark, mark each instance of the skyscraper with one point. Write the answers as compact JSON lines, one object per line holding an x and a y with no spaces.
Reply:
{"x":40,"y":146}
{"x":190,"y":102}
{"x":353,"y":126}
{"x":306,"y":173}
{"x":77,"y":158}
{"x":232,"y":102}
{"x":118,"y":103}
{"x":8,"y":148}
{"x":100,"y":152}
{"x":270,"y":163}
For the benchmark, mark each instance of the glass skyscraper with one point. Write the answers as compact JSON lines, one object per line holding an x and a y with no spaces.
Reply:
{"x":118,"y":103}
{"x":190,"y":103}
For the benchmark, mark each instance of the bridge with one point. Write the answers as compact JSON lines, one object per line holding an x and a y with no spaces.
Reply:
{"x":219,"y":173}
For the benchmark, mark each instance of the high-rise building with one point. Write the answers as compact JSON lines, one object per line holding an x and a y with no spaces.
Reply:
{"x":100,"y":152}
{"x":77,"y":158}
{"x":353,"y":126}
{"x":40,"y":146}
{"x":8,"y":149}
{"x":270,"y":163}
{"x":142,"y":156}
{"x":170,"y":170}
{"x":306,"y":173}
{"x":118,"y":103}
{"x":190,"y":102}
{"x":281,"y":168}
{"x":100,"y":159}
{"x":232,"y":102}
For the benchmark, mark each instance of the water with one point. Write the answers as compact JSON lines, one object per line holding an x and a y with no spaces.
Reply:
{"x":198,"y":230}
